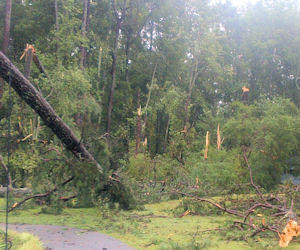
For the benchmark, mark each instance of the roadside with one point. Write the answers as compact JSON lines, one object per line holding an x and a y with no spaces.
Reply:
{"x":61,"y":238}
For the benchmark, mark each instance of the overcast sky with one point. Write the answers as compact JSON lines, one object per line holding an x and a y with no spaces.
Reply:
{"x":241,"y":3}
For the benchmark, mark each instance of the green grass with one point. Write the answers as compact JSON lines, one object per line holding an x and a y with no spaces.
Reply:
{"x":154,"y":227}
{"x":20,"y":241}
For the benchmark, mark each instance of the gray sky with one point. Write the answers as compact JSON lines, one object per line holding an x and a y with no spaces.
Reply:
{"x":241,"y":3}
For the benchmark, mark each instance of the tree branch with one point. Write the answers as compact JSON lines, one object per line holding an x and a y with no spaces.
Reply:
{"x":39,"y":195}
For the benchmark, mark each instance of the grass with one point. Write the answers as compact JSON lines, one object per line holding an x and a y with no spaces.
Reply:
{"x":20,"y":241}
{"x":154,"y":227}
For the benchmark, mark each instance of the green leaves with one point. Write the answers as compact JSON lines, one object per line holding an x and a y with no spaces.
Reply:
{"x":270,"y":132}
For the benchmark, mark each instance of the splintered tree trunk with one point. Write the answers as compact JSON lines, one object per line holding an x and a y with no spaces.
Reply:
{"x":28,"y":63}
{"x":138,"y":126}
{"x":206,"y":146}
{"x":34,"y":99}
{"x":5,"y":43}
{"x":219,"y":140}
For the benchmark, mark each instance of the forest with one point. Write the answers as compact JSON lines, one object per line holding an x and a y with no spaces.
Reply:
{"x":117,"y":105}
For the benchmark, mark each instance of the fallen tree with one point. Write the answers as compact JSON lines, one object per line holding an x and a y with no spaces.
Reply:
{"x":28,"y":93}
{"x":257,"y":212}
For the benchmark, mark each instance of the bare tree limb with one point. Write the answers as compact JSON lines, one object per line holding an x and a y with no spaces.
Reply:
{"x":224,"y":209}
{"x":251,"y":176}
{"x":39,"y":195}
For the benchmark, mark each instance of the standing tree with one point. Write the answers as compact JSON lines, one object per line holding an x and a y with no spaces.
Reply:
{"x":120,"y":16}
{"x":5,"y":43}
{"x":84,"y":30}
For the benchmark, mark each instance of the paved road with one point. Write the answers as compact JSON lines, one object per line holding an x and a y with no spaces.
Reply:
{"x":63,"y":238}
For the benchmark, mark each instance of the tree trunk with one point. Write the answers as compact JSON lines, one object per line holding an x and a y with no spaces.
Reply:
{"x":149,"y":96}
{"x":113,"y":70}
{"x":56,"y":27}
{"x":167,"y":133}
{"x":34,"y":99}
{"x":56,"y":16}
{"x":138,"y":125}
{"x":9,"y":184}
{"x":28,"y":62}
{"x":151,"y":38}
{"x":5,"y":43}
{"x":194,"y":75}
{"x":6,"y":33}
{"x":127,"y":53}
{"x":84,"y":30}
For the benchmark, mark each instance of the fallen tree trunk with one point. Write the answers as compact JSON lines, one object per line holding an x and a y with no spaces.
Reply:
{"x":34,"y":99}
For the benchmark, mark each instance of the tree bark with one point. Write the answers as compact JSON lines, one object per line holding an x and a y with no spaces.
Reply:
{"x":34,"y":99}
{"x":28,"y":63}
{"x":127,"y":53}
{"x":56,"y":16}
{"x":9,"y":184}
{"x":149,"y":96}
{"x":114,"y":68}
{"x":119,"y":19}
{"x":5,"y":43}
{"x":167,"y":133}
{"x":138,"y":125}
{"x":6,"y":33}
{"x":84,"y":29}
{"x":151,"y":38}
{"x":194,"y":75}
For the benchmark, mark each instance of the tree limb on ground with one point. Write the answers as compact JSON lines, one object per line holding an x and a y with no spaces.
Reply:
{"x":39,"y":195}
{"x":249,"y":210}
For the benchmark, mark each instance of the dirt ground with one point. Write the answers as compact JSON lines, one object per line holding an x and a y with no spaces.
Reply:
{"x":61,"y":238}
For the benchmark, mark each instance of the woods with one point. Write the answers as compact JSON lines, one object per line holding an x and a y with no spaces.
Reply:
{"x":159,"y":100}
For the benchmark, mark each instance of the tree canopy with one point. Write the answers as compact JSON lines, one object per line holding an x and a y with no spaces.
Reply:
{"x":140,"y":82}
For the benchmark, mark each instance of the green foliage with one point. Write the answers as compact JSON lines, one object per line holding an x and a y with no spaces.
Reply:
{"x":269,"y":130}
{"x":218,"y":174}
{"x":184,"y":63}
{"x":195,"y":207}
{"x":20,"y":241}
{"x":54,"y":207}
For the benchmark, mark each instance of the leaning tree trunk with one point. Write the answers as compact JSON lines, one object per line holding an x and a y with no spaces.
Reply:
{"x":34,"y":99}
{"x":5,"y":43}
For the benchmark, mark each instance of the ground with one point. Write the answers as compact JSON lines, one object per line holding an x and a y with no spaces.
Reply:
{"x":20,"y":241}
{"x":65,"y":238}
{"x":154,"y":227}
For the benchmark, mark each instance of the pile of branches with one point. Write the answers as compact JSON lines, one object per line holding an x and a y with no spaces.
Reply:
{"x":259,"y":212}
